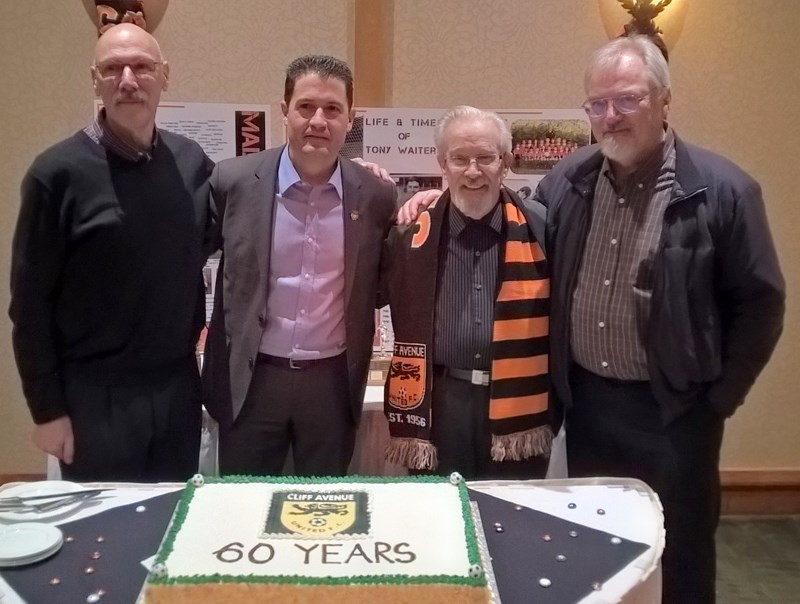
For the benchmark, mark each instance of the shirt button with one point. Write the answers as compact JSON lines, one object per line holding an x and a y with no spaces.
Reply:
{"x":607,"y":282}
{"x":478,"y":321}
{"x":477,"y":254}
{"x":302,"y":311}
{"x":310,"y":240}
{"x":601,"y":324}
{"x":640,"y":186}
{"x":307,"y":276}
{"x":477,"y":355}
{"x":478,"y":286}
{"x":621,"y":200}
{"x":251,"y":363}
{"x":261,"y":319}
{"x":614,"y":241}
{"x":604,"y":363}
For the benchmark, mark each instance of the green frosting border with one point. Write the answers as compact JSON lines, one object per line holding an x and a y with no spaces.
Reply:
{"x":182,"y":509}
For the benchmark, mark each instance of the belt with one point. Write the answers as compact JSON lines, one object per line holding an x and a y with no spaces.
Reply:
{"x":294,"y":363}
{"x":578,"y":371}
{"x":473,"y":376}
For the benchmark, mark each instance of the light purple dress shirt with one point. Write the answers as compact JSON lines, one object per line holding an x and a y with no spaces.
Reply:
{"x":305,"y":305}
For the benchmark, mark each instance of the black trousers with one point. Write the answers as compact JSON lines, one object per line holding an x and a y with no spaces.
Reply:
{"x":460,"y":430}
{"x":142,"y":431}
{"x":307,"y":409}
{"x":614,"y":429}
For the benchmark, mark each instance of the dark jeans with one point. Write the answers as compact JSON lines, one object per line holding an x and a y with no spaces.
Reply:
{"x":307,"y":409}
{"x":614,"y":429}
{"x":135,"y":432}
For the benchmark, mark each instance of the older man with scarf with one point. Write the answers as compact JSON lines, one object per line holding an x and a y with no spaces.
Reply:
{"x":468,"y":386}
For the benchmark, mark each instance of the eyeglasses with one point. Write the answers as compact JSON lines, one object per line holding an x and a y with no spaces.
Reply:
{"x":462,"y":162}
{"x":624,"y":104}
{"x":142,"y":69}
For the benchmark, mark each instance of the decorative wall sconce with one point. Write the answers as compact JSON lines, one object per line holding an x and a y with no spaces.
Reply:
{"x":146,"y":14}
{"x":667,"y":15}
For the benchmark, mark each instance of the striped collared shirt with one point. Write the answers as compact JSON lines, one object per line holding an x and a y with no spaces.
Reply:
{"x":467,"y":290}
{"x":100,"y":133}
{"x":611,"y":301}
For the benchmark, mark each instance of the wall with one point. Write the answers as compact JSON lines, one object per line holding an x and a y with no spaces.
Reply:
{"x":735,"y":87}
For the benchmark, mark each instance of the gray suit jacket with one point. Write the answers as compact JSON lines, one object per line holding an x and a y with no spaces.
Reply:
{"x":243,"y":193}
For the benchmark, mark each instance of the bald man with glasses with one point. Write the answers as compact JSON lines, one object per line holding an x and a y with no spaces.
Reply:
{"x":106,"y":281}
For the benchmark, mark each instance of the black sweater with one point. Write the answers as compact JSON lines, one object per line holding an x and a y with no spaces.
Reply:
{"x":106,"y":265}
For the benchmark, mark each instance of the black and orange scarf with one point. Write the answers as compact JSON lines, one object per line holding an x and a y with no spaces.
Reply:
{"x":518,"y":408}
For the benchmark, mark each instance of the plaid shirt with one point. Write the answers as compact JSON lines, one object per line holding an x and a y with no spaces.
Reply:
{"x":611,"y":301}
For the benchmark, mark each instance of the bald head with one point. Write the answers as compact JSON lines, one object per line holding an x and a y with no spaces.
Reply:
{"x":126,"y":35}
{"x":129,"y":74}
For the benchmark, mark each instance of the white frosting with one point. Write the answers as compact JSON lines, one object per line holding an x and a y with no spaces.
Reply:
{"x":423,"y":519}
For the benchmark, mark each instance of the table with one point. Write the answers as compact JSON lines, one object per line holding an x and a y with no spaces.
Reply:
{"x":615,"y":521}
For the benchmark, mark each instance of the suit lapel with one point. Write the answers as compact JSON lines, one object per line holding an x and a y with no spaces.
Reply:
{"x":263,"y":193}
{"x":353,"y":220}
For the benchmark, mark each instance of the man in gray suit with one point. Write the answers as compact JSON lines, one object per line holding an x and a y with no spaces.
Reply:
{"x":290,"y":339}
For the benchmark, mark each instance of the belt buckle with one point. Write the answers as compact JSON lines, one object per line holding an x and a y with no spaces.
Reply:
{"x":293,"y":364}
{"x":480,"y":378}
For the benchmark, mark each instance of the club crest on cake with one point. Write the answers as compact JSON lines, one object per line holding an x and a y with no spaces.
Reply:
{"x":318,"y":514}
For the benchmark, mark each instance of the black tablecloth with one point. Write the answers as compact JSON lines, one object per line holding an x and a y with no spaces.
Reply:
{"x":528,"y":547}
{"x":128,"y":537}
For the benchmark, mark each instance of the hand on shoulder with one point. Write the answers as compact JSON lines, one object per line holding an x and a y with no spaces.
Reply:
{"x":416,"y":205}
{"x":375,"y":169}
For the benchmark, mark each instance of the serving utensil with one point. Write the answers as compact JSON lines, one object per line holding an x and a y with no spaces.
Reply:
{"x":49,"y":502}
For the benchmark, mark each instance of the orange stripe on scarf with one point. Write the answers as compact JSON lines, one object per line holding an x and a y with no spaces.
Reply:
{"x":521,"y":329}
{"x":503,"y":408}
{"x":524,"y":290}
{"x":513,"y":214}
{"x":503,"y":369}
{"x":520,"y":251}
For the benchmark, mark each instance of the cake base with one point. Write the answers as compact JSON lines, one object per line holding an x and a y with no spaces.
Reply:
{"x":228,"y":593}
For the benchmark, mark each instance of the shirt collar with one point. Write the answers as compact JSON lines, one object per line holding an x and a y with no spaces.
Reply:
{"x":288,"y":176}
{"x":459,"y":221}
{"x":100,"y":133}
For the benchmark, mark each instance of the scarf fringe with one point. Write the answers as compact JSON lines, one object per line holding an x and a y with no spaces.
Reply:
{"x":522,"y":445}
{"x":412,"y":453}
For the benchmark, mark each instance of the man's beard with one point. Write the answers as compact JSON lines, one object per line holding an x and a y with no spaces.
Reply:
{"x":622,"y":152}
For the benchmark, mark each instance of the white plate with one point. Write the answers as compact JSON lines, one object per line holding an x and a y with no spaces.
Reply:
{"x":45,"y":487}
{"x":28,"y":542}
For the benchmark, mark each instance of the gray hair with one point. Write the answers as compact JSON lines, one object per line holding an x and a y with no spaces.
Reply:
{"x":610,"y":54}
{"x":465,"y":112}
